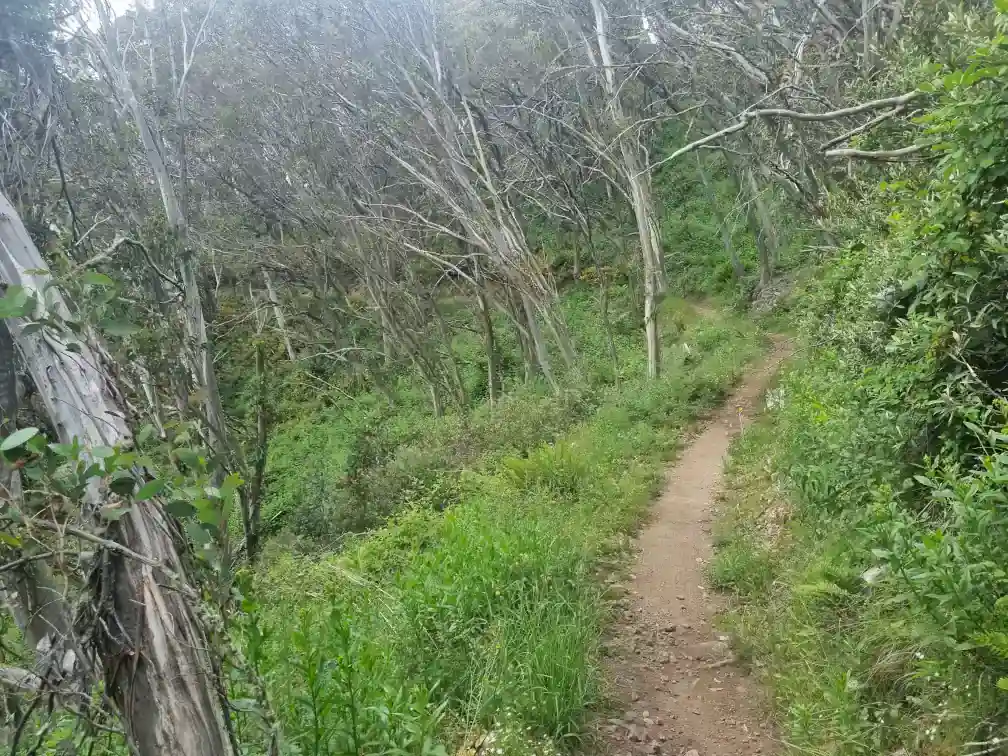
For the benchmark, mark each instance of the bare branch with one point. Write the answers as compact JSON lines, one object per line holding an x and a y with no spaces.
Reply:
{"x":882,"y":155}
{"x":863,"y":127}
{"x":750,"y":115}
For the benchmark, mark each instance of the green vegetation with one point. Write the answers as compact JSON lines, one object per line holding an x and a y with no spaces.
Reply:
{"x":329,"y":385}
{"x":443,"y":626}
{"x":865,"y":535}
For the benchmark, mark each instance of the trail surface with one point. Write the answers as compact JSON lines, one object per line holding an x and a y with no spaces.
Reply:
{"x":673,"y":673}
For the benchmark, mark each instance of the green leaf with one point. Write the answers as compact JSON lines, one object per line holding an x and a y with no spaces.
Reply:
{"x":120,"y":328}
{"x":149,"y":490}
{"x":93,"y":471}
{"x":125,"y":460}
{"x":145,"y":433}
{"x":70,"y":451}
{"x":1002,"y":683}
{"x":16,"y":303}
{"x":227,"y":492}
{"x":10,"y":540}
{"x":31,"y":328}
{"x":189,"y":458}
{"x":18,"y":438}
{"x":113,"y":512}
{"x":197,"y":533}
{"x":1002,"y":7}
{"x":122,"y":483}
{"x":93,"y":278}
{"x":208,"y":513}
{"x":102,"y":452}
{"x":180,"y":508}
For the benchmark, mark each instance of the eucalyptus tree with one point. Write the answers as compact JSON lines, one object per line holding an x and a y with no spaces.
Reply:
{"x":438,"y":134}
{"x":137,"y":621}
{"x":594,"y":81}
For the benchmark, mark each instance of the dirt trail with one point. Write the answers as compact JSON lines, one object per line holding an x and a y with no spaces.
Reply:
{"x":672,"y":671}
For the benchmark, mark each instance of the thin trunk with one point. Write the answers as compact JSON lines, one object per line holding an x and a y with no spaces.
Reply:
{"x":640,"y":197}
{"x":278,"y":314}
{"x":158,"y":668}
{"x":489,"y":341}
{"x":517,"y":317}
{"x":388,"y":347}
{"x":763,"y":228}
{"x":576,"y":248}
{"x":201,"y":353}
{"x":453,"y":365}
{"x":738,"y":270}
{"x":536,"y":341}
{"x":379,"y":298}
{"x":252,"y":506}
{"x":868,"y":29}
{"x":607,"y":325}
{"x":651,"y":328}
{"x":892,"y":29}
{"x":179,"y":389}
{"x":490,"y":346}
{"x":558,"y":327}
{"x":437,"y":404}
{"x":603,"y":277}
{"x":151,"y":395}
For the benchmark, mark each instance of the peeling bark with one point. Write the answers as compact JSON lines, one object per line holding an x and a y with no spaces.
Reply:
{"x":158,"y":668}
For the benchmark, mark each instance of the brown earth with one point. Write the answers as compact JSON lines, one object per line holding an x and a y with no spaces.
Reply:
{"x":672,"y":673}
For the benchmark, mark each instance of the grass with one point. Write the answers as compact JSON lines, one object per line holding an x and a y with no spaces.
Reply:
{"x":481,"y":618}
{"x":809,"y":630}
{"x":855,"y":662}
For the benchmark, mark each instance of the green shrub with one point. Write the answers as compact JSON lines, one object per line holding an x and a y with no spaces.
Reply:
{"x":886,"y":623}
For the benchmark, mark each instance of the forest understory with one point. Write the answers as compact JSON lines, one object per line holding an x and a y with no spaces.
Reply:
{"x":503,"y":378}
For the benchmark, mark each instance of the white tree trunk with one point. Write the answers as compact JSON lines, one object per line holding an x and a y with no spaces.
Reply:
{"x":161,"y":674}
{"x":868,"y":30}
{"x":201,"y":355}
{"x":536,"y":339}
{"x":278,"y":314}
{"x":640,"y":198}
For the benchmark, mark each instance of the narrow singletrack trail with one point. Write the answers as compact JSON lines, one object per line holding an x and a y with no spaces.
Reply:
{"x":672,"y":672}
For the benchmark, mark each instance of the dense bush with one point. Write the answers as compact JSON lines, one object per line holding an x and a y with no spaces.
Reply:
{"x":885,"y":623}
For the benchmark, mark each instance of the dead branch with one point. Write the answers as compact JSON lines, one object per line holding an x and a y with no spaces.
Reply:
{"x":882,"y":155}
